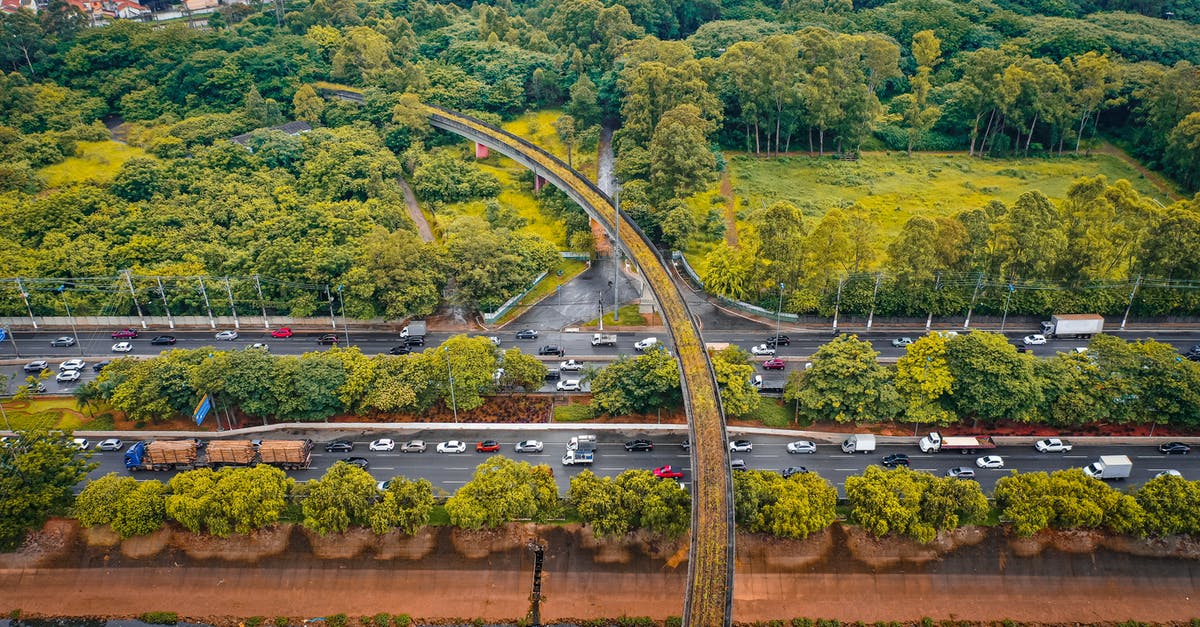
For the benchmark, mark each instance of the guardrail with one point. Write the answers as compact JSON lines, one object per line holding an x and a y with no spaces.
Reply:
{"x":709,"y":599}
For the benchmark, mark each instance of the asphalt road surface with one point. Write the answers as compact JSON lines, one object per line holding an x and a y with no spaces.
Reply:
{"x":450,"y":471}
{"x":96,"y":346}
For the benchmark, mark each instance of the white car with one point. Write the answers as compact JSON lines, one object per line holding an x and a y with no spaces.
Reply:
{"x":259,"y":345}
{"x":740,"y":446}
{"x":111,"y":444}
{"x":802,"y":446}
{"x":570,"y":365}
{"x":72,"y":364}
{"x":67,"y":376}
{"x":453,"y":446}
{"x":82,"y":443}
{"x":642,"y":345}
{"x":763,"y":349}
{"x":122,"y":347}
{"x":1033,"y":340}
{"x":383,"y":444}
{"x":528,"y":446}
{"x":494,"y":340}
{"x":568,"y":385}
{"x":1169,"y":473}
{"x":1052,"y":445}
{"x":990,"y":461}
{"x":227,"y":335}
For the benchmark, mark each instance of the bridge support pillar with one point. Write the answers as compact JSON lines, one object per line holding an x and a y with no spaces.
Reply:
{"x":481,"y":151}
{"x":538,"y":183}
{"x":646,"y":302}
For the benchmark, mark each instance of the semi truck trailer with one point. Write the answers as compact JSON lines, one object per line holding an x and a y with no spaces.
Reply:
{"x":1073,"y":325}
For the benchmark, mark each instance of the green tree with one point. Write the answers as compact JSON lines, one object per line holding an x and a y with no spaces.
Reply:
{"x":845,"y":384}
{"x":637,"y":385}
{"x":229,"y":500}
{"x":633,"y":500}
{"x":130,"y":506}
{"x":583,"y":104}
{"x":502,"y":490}
{"x":564,"y":126}
{"x":911,"y":503}
{"x":522,"y":371}
{"x":472,"y":362}
{"x":1065,"y":499}
{"x":1028,"y":238}
{"x":991,"y":380}
{"x":681,"y":161}
{"x":796,"y":507}
{"x":38,"y":473}
{"x":731,"y":271}
{"x":924,"y":381}
{"x":738,"y":396}
{"x":406,"y":506}
{"x":307,"y":105}
{"x":1172,"y":506}
{"x":345,"y":496}
{"x":919,"y":115}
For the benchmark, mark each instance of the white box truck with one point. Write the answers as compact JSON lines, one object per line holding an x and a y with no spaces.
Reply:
{"x":1073,"y":325}
{"x":1110,"y":467}
{"x":573,"y":458}
{"x":859,"y":443}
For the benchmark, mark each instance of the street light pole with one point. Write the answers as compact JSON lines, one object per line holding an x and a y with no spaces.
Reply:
{"x":450,"y":373}
{"x":345,"y":327}
{"x":778,"y":313}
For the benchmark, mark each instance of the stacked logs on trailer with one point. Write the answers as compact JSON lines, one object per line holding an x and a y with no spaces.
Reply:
{"x":286,"y":454}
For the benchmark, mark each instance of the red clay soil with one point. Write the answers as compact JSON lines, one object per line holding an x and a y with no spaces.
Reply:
{"x":972,"y":575}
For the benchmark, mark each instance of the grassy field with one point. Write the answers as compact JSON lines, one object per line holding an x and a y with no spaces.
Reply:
{"x":94,"y":161}
{"x":45,"y":412}
{"x":896,"y":187}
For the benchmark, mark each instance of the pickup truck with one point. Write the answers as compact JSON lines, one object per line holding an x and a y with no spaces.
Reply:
{"x":604,"y":339}
{"x":1052,"y":445}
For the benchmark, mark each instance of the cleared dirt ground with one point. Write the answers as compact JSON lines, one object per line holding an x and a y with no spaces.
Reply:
{"x":974,"y":575}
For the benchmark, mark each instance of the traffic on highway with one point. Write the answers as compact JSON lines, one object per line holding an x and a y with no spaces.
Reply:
{"x":774,"y":359}
{"x":448,"y":457}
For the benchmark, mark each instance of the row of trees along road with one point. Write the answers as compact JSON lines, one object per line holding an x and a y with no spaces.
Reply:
{"x":884,"y":502}
{"x":1086,"y":253}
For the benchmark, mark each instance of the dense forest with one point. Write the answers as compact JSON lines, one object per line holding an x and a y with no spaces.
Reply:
{"x":681,"y":82}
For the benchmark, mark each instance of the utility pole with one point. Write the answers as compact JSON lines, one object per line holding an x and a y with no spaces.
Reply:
{"x":232,"y":307}
{"x":332,"y":316}
{"x":136,"y":304}
{"x":978,"y":284}
{"x":450,"y":373}
{"x":207,"y":307}
{"x":345,"y":327}
{"x":162,"y":292}
{"x":1007,"y":299}
{"x":778,"y":314}
{"x":1130,"y":305}
{"x":62,"y":291}
{"x":25,"y":297}
{"x":874,"y":294}
{"x":261,"y":303}
{"x":936,"y":286}
{"x":837,"y":305}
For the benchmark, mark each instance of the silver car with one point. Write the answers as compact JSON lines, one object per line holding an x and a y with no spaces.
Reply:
{"x":227,"y":335}
{"x":802,"y":446}
{"x":528,"y":446}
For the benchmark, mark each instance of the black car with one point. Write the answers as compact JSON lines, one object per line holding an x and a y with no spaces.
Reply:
{"x":686,"y":445}
{"x":779,"y":340}
{"x":1024,"y":349}
{"x":416,"y":340}
{"x":895,"y":459}
{"x":339,"y":446}
{"x":361,"y":462}
{"x":163,"y":339}
{"x":527,"y":334}
{"x":553,"y":375}
{"x":399,"y":350}
{"x":551,"y":349}
{"x":98,"y":366}
{"x":1174,"y":448}
{"x":328,"y":338}
{"x":639,"y":445}
{"x":792,"y":470}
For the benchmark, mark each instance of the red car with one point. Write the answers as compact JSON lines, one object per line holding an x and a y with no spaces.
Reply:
{"x":773,"y":364}
{"x":487,"y":446}
{"x":283,"y":332}
{"x":124,"y":334}
{"x":666,"y":472}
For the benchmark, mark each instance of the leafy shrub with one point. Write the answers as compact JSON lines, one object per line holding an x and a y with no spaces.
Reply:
{"x":159,"y":618}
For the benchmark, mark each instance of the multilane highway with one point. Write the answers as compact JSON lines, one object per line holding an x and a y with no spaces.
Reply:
{"x":96,"y":346}
{"x":451,"y":471}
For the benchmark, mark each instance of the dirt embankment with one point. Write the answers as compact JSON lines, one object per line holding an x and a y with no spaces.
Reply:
{"x":972,"y":574}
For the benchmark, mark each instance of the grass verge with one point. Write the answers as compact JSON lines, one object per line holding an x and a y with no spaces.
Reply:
{"x":771,"y":413}
{"x":572,"y":413}
{"x":630,"y":317}
{"x":49,"y":412}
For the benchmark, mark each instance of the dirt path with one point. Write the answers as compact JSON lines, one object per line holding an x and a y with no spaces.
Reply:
{"x":731,"y":236}
{"x":1155,"y":179}
{"x":414,"y":211}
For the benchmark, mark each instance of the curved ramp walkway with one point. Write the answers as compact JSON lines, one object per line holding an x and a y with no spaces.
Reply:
{"x":710,"y":564}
